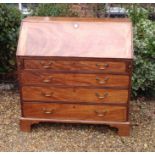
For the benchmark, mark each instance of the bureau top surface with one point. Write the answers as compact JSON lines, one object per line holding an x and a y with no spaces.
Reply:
{"x":75,"y":37}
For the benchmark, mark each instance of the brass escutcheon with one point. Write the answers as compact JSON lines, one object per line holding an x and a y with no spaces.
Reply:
{"x":46,"y":66}
{"x":48,"y":111}
{"x":102,"y":67}
{"x":47,"y":94}
{"x":48,"y":79}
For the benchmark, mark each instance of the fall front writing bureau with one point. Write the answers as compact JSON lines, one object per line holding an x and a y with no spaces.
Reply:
{"x":75,"y":70}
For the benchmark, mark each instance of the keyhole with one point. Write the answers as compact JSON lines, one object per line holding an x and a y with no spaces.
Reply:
{"x":76,"y":26}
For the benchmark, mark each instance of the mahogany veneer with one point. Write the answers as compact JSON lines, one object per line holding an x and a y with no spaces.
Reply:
{"x":74,"y":94}
{"x":73,"y":66}
{"x":71,"y":79}
{"x":75,"y":70}
{"x":74,"y":111}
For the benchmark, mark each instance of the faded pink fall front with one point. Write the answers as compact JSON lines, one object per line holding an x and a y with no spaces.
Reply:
{"x":76,"y":39}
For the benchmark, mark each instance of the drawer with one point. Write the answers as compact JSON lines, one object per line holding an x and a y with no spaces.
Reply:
{"x":34,"y":77}
{"x":60,"y":65}
{"x":74,"y":112}
{"x":92,"y":95}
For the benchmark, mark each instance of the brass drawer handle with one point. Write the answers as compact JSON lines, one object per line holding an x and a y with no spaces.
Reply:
{"x":102,"y":81}
{"x":102,"y":67}
{"x":101,"y":113}
{"x":48,"y":111}
{"x":101,"y":97}
{"x":47,"y":94}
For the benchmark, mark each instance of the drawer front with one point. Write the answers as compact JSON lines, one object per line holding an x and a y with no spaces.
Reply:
{"x":105,"y":66}
{"x":74,"y":94}
{"x":34,"y":77}
{"x":74,"y":112}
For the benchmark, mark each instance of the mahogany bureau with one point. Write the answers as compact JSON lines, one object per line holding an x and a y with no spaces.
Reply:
{"x":75,"y":70}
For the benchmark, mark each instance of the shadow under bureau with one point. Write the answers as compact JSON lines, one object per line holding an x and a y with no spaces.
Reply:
{"x":75,"y":70}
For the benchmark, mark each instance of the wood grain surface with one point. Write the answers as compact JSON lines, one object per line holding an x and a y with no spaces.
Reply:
{"x":74,"y":94}
{"x":60,"y":65}
{"x":75,"y":70}
{"x":76,"y":38}
{"x":75,"y":112}
{"x":44,"y":77}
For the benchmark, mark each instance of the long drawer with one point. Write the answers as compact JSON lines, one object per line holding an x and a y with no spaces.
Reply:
{"x":34,"y":77}
{"x":32,"y":93}
{"x":62,"y":65}
{"x":74,"y":112}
